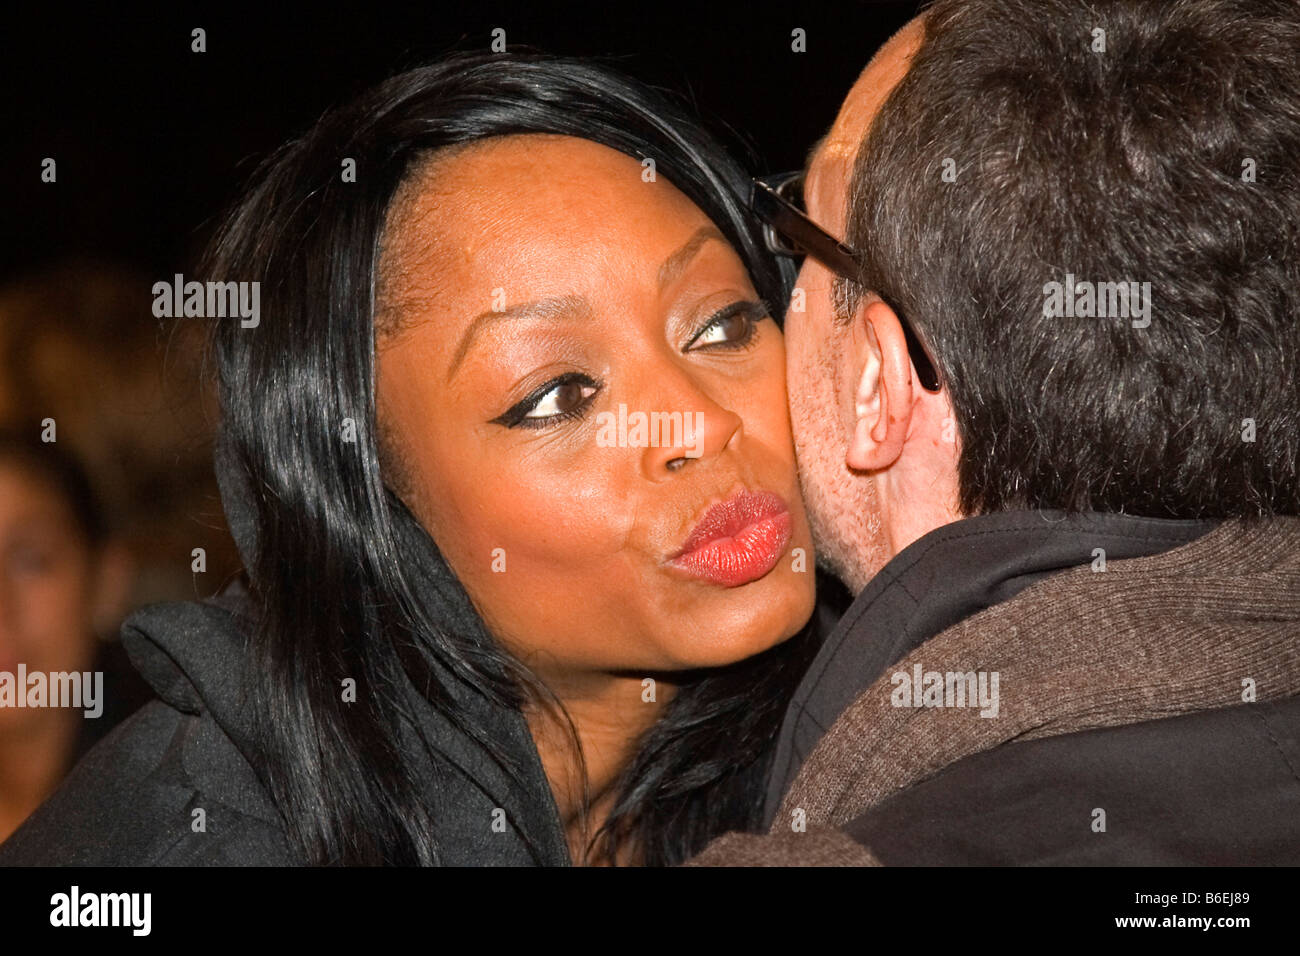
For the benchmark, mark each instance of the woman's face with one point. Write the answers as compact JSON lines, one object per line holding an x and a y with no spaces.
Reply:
{"x":539,"y":300}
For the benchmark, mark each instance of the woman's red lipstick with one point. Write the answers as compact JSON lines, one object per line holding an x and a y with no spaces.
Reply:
{"x":738,"y":540}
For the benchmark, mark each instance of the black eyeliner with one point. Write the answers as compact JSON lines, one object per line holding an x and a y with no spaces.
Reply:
{"x":517,"y":414}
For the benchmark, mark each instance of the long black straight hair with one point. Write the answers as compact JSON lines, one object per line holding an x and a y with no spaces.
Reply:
{"x":312,"y":240}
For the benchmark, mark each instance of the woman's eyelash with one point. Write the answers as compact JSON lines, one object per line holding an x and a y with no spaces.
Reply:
{"x":755,"y":311}
{"x":517,"y":416}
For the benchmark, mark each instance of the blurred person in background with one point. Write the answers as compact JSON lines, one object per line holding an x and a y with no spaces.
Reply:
{"x":107,"y":500}
{"x":79,"y":346}
{"x":63,"y":582}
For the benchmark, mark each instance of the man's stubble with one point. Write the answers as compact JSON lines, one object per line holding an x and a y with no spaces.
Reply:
{"x":843,"y":508}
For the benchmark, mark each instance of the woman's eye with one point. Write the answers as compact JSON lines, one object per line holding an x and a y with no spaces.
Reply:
{"x":557,"y":400}
{"x":733,"y":326}
{"x":561,"y":400}
{"x":731,"y":329}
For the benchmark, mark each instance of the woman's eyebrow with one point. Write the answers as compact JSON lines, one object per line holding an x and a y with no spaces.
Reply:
{"x":576,"y":306}
{"x":560,"y":307}
{"x":677,"y":262}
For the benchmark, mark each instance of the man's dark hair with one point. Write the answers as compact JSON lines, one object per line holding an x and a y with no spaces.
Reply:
{"x":1115,"y":141}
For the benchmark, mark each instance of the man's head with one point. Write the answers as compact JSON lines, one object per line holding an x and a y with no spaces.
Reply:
{"x":1090,"y":213}
{"x":850,"y":508}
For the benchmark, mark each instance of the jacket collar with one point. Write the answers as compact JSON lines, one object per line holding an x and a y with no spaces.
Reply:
{"x":942,"y":578}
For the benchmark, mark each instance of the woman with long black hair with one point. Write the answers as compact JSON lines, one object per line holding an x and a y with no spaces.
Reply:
{"x":507,"y":454}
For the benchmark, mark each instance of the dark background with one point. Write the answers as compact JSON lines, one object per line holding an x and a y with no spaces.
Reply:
{"x":152,"y":140}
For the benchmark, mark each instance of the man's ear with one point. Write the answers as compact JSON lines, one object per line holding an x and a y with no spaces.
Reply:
{"x":883,"y":397}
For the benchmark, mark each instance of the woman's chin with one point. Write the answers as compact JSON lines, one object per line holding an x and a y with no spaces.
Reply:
{"x":739,"y":622}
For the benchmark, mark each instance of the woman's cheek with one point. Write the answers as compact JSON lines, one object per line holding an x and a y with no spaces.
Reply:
{"x":555,"y":519}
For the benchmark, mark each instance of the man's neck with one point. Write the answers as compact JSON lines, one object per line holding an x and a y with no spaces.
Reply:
{"x":913,"y":502}
{"x":918,"y":493}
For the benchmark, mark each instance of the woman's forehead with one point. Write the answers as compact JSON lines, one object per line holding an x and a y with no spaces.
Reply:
{"x":527,"y":209}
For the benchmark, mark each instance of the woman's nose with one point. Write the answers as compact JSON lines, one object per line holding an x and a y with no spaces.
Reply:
{"x":697,"y":429}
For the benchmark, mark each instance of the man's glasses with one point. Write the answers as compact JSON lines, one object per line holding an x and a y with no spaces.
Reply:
{"x":787,"y":231}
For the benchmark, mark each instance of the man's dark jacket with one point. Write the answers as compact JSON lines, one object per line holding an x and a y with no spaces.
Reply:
{"x":1149,"y":709}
